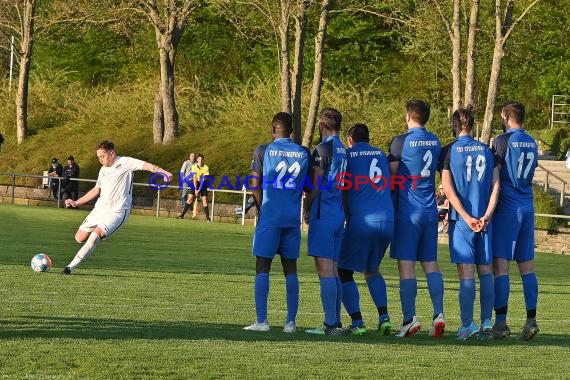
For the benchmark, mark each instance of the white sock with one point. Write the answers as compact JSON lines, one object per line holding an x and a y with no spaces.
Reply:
{"x":86,"y":250}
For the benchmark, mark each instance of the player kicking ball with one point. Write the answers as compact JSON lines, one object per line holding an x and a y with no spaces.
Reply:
{"x":113,"y":188}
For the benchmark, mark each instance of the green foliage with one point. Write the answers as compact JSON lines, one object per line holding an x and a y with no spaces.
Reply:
{"x":91,"y":57}
{"x":557,"y":140}
{"x":359,"y":38}
{"x":545,"y":204}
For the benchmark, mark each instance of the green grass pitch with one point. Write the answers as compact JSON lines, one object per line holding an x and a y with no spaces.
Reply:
{"x":165,"y":298}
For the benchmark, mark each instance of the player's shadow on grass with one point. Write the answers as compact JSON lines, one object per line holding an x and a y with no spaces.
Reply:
{"x":33,"y":327}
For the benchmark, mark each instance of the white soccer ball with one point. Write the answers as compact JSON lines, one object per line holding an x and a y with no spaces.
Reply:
{"x":41,"y":263}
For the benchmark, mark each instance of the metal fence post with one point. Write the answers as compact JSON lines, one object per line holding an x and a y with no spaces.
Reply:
{"x":58,"y":191}
{"x":213,"y":203}
{"x":13,"y":187}
{"x":158,"y":203}
{"x":243,"y":206}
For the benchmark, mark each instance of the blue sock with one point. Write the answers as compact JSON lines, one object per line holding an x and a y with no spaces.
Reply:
{"x":530,"y":289}
{"x":261,"y":291}
{"x":292,"y":288}
{"x":328,"y":298}
{"x":486,"y":296}
{"x":408,"y":292}
{"x":466,"y":300}
{"x":502,"y":290}
{"x":350,"y":297}
{"x":338,"y":301}
{"x":377,"y":288}
{"x":435,"y":287}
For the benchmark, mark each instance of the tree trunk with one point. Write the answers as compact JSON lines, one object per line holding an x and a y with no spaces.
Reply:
{"x":456,"y":65}
{"x":493,"y":90}
{"x":300,"y":35}
{"x":26,"y":47}
{"x":158,"y":119}
{"x":168,"y":99}
{"x":284,"y":57}
{"x":498,"y":52}
{"x":318,"y":73}
{"x":469,"y":98}
{"x":169,"y":114}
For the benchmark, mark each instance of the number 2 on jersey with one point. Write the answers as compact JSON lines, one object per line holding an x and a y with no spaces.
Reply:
{"x":283,"y":169}
{"x":428,"y":158}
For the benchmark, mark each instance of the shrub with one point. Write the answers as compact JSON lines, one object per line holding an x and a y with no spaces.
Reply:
{"x":557,"y":139}
{"x":545,"y":204}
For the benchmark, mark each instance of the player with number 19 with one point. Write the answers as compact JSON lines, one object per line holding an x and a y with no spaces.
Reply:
{"x":415,"y":155}
{"x":471,"y":184}
{"x":279,"y":171}
{"x":516,"y":153}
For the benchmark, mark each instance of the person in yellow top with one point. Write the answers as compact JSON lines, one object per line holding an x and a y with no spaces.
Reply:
{"x":200,"y":170}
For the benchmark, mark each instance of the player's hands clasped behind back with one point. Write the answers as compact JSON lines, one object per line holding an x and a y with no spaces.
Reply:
{"x":478,"y":225}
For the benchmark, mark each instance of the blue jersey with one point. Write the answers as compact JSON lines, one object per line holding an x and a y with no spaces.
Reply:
{"x":330,"y":156}
{"x":368,"y":201}
{"x":418,"y":154}
{"x":471,"y":164}
{"x":516,"y":154}
{"x":283,"y":166}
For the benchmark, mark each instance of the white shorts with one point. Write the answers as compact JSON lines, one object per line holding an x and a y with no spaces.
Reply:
{"x":108,"y":221}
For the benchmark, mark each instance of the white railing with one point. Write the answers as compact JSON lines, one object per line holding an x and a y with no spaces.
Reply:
{"x":244,"y":194}
{"x":547,"y":183}
{"x":13,"y":177}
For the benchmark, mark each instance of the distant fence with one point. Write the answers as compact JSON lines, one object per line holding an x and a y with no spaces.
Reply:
{"x":42,"y":192}
{"x":156,"y":201}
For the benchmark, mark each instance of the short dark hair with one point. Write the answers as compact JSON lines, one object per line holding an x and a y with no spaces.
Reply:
{"x":418,"y":111}
{"x":462,"y":119}
{"x":515,"y":111}
{"x":106,"y":145}
{"x":359,"y":133}
{"x":330,"y":118}
{"x":200,"y":155}
{"x":283,"y":119}
{"x":70,"y":158}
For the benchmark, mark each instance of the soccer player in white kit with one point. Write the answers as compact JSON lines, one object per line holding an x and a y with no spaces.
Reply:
{"x":113,"y":187}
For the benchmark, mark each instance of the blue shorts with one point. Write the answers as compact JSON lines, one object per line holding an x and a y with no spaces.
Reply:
{"x":364,"y":245}
{"x":415,"y":237}
{"x":325,"y":237}
{"x":514,"y":236}
{"x":269,"y":241}
{"x":467,"y":246}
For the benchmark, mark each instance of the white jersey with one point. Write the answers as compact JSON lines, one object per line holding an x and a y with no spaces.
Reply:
{"x":115,"y":183}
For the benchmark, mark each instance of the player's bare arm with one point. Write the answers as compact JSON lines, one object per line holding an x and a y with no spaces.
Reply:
{"x":394,"y":167}
{"x":493,"y":199}
{"x":157,"y":169}
{"x":257,"y":192}
{"x":89,"y":196}
{"x":316,"y":173}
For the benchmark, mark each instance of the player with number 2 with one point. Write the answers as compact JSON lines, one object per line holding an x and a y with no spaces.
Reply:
{"x":416,"y":154}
